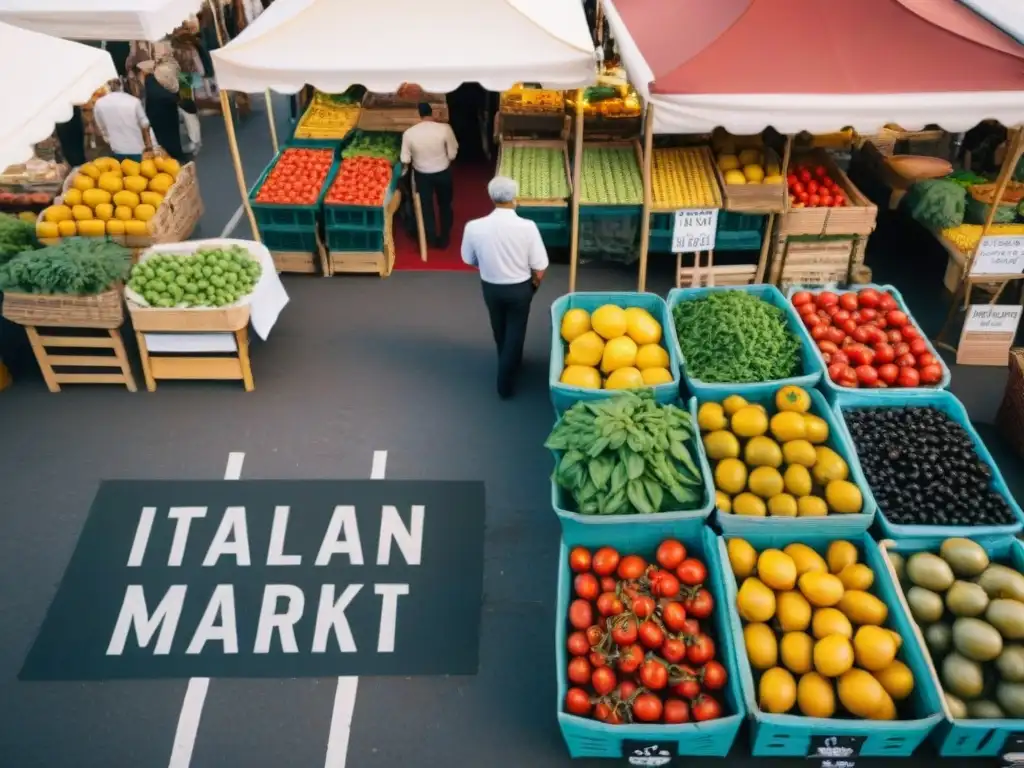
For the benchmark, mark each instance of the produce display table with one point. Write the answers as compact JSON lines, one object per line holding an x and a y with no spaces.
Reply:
{"x":96,"y":320}
{"x":380,"y":261}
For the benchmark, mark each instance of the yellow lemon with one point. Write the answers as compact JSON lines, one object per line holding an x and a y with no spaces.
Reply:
{"x":788,"y":425}
{"x":126,"y":198}
{"x":144,"y":212}
{"x":799,"y":452}
{"x":828,"y":466}
{"x":806,"y":559}
{"x":624,"y":378}
{"x":129,"y":167}
{"x":798,"y":480}
{"x":844,"y":497}
{"x":742,"y":557}
{"x":57,"y":213}
{"x":90,"y":170}
{"x":72,"y":197}
{"x":47,"y":230}
{"x":642,"y":327}
{"x":575,"y":322}
{"x":107,"y":165}
{"x":765,"y":482}
{"x":136,"y":228}
{"x":618,"y":353}
{"x":749,"y":505}
{"x":754,"y":601}
{"x":168,"y":165}
{"x":830,"y":621}
{"x":722,"y":502}
{"x":860,"y":693}
{"x":816,"y":428}
{"x":776,"y":569}
{"x":651,"y":356}
{"x":81,"y":212}
{"x":161,"y":183}
{"x":857,"y":576}
{"x":776,"y":691}
{"x":874,"y":648}
{"x":811,"y":506}
{"x":896,"y":679}
{"x":104,"y":211}
{"x":749,"y":421}
{"x":115,"y":227}
{"x":863,"y":608}
{"x":111,"y":182}
{"x":654,"y":376}
{"x":81,"y":182}
{"x":731,"y":476}
{"x":762,"y":451}
{"x":587,"y":349}
{"x":609,"y":321}
{"x":733,"y":403}
{"x":815,"y":696}
{"x":148,"y":169}
{"x":762,"y":649}
{"x":92,"y":228}
{"x":67,"y":228}
{"x":581,"y":376}
{"x":721,"y":445}
{"x":796,"y":650}
{"x":136,"y":184}
{"x":793,"y":611}
{"x":823,"y":590}
{"x":94,"y":197}
{"x":839,"y":555}
{"x":833,"y":656}
{"x":782,"y":505}
{"x":123,"y":213}
{"x":711,"y":417}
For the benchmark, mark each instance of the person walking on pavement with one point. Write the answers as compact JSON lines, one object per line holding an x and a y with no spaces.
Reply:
{"x":430,"y":147}
{"x":511,"y":257}
{"x":122,"y":122}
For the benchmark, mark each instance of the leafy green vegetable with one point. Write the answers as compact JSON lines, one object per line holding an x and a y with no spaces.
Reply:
{"x":733,"y":337}
{"x":77,"y":266}
{"x":937,"y":203}
{"x":627,"y":455}
{"x":15,"y":236}
{"x":210,"y":277}
{"x":373,"y":144}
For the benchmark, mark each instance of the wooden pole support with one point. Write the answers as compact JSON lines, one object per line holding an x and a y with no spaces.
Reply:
{"x":577,"y":174}
{"x":229,"y":124}
{"x":271,"y":120}
{"x":645,"y":221}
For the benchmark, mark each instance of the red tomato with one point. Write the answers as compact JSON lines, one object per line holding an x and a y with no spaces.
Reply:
{"x":832,"y":310}
{"x":595,"y":635}
{"x":901,"y":349}
{"x":918,"y":347}
{"x":609,"y":604}
{"x":714,"y":676}
{"x":886,"y":302}
{"x":671,"y":552}
{"x":579,"y":559}
{"x":673,"y":614}
{"x":653,"y":675}
{"x":926,"y":359}
{"x":867,"y":315}
{"x":676,"y":711}
{"x":826,"y":298}
{"x":821,"y":172}
{"x":625,"y":690}
{"x":804,"y":175}
{"x":813,"y":321}
{"x":647,"y":708}
{"x":602,"y":711}
{"x":910,"y":332}
{"x":624,"y":630}
{"x":861,"y":355}
{"x":820,"y":332}
{"x":577,"y":702}
{"x":869,"y":298}
{"x":603,"y":680}
{"x":577,"y":644}
{"x":667,"y":586}
{"x":630,"y":659}
{"x":801,"y":297}
{"x":896,"y":318}
{"x":812,"y":187}
{"x":631,"y":567}
{"x":838,"y":200}
{"x":361,"y":181}
{"x":581,"y":615}
{"x":608,"y":584}
{"x":586,"y":586}
{"x":579,"y":671}
{"x":884,"y":353}
{"x":849,"y":326}
{"x":906,"y":361}
{"x":888,"y":373}
{"x":792,"y":179}
{"x":827,"y":201}
{"x":841,"y":315}
{"x":866,"y":375}
{"x":606,"y":560}
{"x":688,"y":689}
{"x":840,"y":358}
{"x":701,"y":650}
{"x":597,"y":659}
{"x":930,"y":374}
{"x":650,"y":635}
{"x":706,"y":708}
{"x":673,"y":650}
{"x":835,"y":371}
{"x":692,"y":572}
{"x":699,"y":605}
{"x":827,"y":347}
{"x":908,"y":377}
{"x":863,"y":334}
{"x":814,"y":201}
{"x":643,"y":606}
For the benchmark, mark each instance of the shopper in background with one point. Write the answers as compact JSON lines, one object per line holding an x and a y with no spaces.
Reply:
{"x":162,"y":99}
{"x":430,"y":147}
{"x":71,"y":136}
{"x":122,"y":122}
{"x":511,"y":257}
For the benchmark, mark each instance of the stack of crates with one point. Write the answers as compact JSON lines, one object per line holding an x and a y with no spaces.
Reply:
{"x":736,"y":231}
{"x":357,"y":228}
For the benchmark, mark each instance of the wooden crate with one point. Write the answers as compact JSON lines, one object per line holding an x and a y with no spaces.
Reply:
{"x":537,"y":125}
{"x":98,"y":348}
{"x":375,"y":262}
{"x":754,"y":198}
{"x":709,"y":161}
{"x":634,"y":145}
{"x":541,"y":144}
{"x":814,"y":262}
{"x":384,"y":113}
{"x":302,"y":263}
{"x":857,"y":217}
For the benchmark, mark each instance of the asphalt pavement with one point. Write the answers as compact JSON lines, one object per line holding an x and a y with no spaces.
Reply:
{"x":355,"y":365}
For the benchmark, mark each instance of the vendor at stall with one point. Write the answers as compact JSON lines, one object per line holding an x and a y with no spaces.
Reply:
{"x":122,"y":122}
{"x":430,"y":148}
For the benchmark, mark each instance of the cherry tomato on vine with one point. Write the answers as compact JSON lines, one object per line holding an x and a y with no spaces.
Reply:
{"x":653,"y":675}
{"x":624,"y":631}
{"x":586,"y":586}
{"x":701,"y":650}
{"x":714,"y":676}
{"x":647,"y":708}
{"x":670,"y":554}
{"x":579,"y":559}
{"x":691,"y":572}
{"x":609,"y":604}
{"x":581,"y":615}
{"x":631,"y":567}
{"x":688,"y":689}
{"x":650,"y":635}
{"x":577,"y":644}
{"x":603,"y":680}
{"x":700,"y":604}
{"x":706,"y":708}
{"x":626,"y":689}
{"x":579,"y":671}
{"x":676,"y":711}
{"x":577,"y":702}
{"x":673,"y":650}
{"x":643,"y":606}
{"x":630,"y":659}
{"x":674,"y":616}
{"x":666,"y":586}
{"x":605,"y":561}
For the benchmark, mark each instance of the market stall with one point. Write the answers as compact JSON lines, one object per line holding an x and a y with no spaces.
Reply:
{"x":99,"y":19}
{"x":963,"y":73}
{"x":294,"y":43}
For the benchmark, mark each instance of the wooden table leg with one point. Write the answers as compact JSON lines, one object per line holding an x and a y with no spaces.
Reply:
{"x":147,"y":370}
{"x":122,"y":358}
{"x":42,"y":358}
{"x":242,"y":340}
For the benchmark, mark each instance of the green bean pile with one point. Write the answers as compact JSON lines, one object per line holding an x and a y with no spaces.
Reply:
{"x":735,"y":337}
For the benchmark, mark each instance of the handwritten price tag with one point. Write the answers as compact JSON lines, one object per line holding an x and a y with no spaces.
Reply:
{"x":993,"y":318}
{"x":1000,"y":255}
{"x":694,"y":230}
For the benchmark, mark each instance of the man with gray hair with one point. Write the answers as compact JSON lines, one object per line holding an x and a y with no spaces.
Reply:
{"x":511,"y":257}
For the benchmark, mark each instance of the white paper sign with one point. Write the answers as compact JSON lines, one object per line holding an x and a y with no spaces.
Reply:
{"x":694,"y":230}
{"x":1000,"y":255}
{"x":993,"y":318}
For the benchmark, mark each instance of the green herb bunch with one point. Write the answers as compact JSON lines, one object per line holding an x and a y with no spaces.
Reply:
{"x":734,"y":337}
{"x":627,"y":455}
{"x":75,"y":267}
{"x":15,"y":236}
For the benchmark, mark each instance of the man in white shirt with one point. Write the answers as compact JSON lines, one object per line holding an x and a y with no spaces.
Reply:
{"x":430,"y":147}
{"x":122,"y":122}
{"x":511,"y":257}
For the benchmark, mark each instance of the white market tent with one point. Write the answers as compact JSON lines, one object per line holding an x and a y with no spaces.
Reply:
{"x":99,"y":19}
{"x":334,"y":44}
{"x":1008,"y":15}
{"x":67,"y":74}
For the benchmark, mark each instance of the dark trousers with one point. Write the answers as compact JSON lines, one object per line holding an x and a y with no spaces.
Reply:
{"x":119,"y":156}
{"x":429,"y":186}
{"x":509,"y":310}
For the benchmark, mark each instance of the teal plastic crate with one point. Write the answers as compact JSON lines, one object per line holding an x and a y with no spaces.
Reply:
{"x":615,"y":528}
{"x":790,"y":735}
{"x":736,"y":232}
{"x":289,"y":240}
{"x":564,"y":395}
{"x":836,"y":525}
{"x":592,"y":211}
{"x":544,"y":215}
{"x":294,"y":216}
{"x":948,"y":404}
{"x":586,"y":737}
{"x":355,"y":240}
{"x":554,"y":236}
{"x":964,"y":738}
{"x":810,"y":362}
{"x":834,"y":391}
{"x":359,"y":216}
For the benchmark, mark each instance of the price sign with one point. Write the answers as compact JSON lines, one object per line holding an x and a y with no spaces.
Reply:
{"x":835,"y":751}
{"x":694,"y":230}
{"x":993,"y":318}
{"x":988,"y":334}
{"x":644,"y":753}
{"x":1013,"y":750}
{"x":999,"y":255}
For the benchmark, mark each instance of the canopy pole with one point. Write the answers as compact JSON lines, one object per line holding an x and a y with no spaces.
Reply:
{"x":577,"y":173}
{"x":645,"y":222}
{"x":270,"y":119}
{"x":229,"y":124}
{"x":966,"y":284}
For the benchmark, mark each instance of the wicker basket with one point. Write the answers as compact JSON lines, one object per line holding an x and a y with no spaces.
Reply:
{"x":1010,"y":417}
{"x":103,"y":311}
{"x":175,"y":219}
{"x":857,"y":217}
